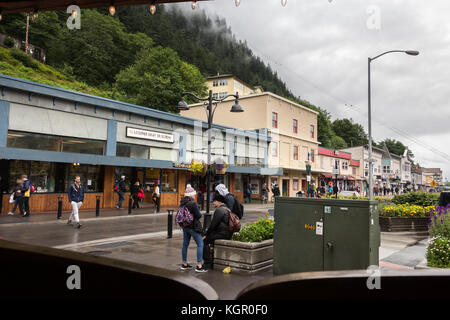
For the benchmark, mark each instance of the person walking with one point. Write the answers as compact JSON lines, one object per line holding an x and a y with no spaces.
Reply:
{"x":193,"y":230}
{"x":218,"y":228}
{"x":135,"y":191}
{"x":248,"y":194}
{"x":157,"y":197}
{"x":276,"y":190}
{"x":264,"y":193}
{"x":121,"y":189}
{"x":26,"y":191}
{"x":76,"y":198}
{"x":17,"y":198}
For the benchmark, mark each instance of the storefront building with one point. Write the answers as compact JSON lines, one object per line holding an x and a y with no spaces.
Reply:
{"x":293,"y":130}
{"x":348,"y":177}
{"x":52,"y":134}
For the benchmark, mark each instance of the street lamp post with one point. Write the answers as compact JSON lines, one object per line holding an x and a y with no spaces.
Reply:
{"x":208,"y":105}
{"x":409,"y":52}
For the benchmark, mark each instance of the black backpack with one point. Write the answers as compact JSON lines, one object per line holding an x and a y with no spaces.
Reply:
{"x":238,"y":208}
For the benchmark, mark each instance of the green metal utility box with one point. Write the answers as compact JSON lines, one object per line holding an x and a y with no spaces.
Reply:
{"x":324,"y":235}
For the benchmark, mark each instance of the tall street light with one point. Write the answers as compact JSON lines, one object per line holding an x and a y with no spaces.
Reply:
{"x":208,"y":105}
{"x":409,"y":52}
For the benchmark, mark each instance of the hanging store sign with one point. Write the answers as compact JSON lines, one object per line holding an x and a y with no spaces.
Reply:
{"x":149,"y":135}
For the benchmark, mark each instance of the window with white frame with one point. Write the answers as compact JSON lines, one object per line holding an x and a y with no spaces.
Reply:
{"x":344,"y":165}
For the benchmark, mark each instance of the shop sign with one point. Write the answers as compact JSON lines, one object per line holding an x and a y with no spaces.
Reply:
{"x":149,"y":135}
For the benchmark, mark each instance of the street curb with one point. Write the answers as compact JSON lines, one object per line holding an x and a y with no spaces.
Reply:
{"x":63,"y":221}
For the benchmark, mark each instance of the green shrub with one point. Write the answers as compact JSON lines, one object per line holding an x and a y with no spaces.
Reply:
{"x":258,"y":231}
{"x":9,"y":42}
{"x":26,"y":59}
{"x":418,"y":198}
{"x":438,"y":252}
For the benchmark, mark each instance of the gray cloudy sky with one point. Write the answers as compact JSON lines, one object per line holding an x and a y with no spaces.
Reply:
{"x":320,"y":49}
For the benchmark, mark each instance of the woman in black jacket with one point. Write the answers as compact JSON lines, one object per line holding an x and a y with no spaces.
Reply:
{"x":194,"y":230}
{"x":219,"y":225}
{"x":135,"y":189}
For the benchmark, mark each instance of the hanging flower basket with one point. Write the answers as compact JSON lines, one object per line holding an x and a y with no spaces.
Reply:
{"x":197,"y":167}
{"x":219,"y":168}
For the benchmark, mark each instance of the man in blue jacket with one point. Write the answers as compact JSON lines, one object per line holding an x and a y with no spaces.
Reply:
{"x":76,"y":198}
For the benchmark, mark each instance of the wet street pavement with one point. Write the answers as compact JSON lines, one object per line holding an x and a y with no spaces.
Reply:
{"x":142,"y":238}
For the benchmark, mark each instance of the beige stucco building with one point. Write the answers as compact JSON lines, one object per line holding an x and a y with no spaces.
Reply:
{"x":293,"y":129}
{"x":222,"y":85}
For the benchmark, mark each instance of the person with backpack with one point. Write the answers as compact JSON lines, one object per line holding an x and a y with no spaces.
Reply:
{"x":26,"y":190}
{"x":76,"y":198}
{"x":121,"y":188}
{"x":229,"y":198}
{"x":219,"y":227}
{"x":188,"y":217}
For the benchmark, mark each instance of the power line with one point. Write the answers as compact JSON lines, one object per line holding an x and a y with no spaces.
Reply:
{"x":352,"y":107}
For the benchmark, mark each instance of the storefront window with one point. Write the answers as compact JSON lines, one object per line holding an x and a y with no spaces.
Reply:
{"x":91,"y":177}
{"x":76,"y":145}
{"x":132,"y":151}
{"x":42,"y":176}
{"x":169,"y":181}
{"x":16,"y":169}
{"x":33,"y":141}
{"x":151,"y":179}
{"x":77,"y":170}
{"x":237,"y":182}
{"x":95,"y":176}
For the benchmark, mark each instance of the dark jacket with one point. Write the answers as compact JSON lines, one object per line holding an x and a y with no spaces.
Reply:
{"x":122,"y":186}
{"x":276,"y":191}
{"x":74,"y":195}
{"x":135,"y":190}
{"x":25,"y":188}
{"x":192,"y":206}
{"x":219,"y":225}
{"x":16,"y":193}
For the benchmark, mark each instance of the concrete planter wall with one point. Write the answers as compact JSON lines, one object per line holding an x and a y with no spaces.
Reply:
{"x":243,"y":257}
{"x":403,"y":224}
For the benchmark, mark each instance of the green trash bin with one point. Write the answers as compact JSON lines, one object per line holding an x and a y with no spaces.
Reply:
{"x":324,"y":235}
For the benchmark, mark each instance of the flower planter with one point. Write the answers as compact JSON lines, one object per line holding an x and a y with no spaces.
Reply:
{"x":403,"y":224}
{"x":243,"y":257}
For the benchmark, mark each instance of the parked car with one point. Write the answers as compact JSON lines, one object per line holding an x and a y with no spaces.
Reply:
{"x":349,"y":193}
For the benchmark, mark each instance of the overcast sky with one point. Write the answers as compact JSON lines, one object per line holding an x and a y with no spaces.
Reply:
{"x":320,"y":49}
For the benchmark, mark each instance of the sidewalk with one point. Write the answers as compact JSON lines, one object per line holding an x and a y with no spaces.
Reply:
{"x":43,"y":217}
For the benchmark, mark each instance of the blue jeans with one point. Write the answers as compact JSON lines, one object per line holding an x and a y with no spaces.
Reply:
{"x":187,"y":233}
{"x":16,"y":203}
{"x":121,"y":199}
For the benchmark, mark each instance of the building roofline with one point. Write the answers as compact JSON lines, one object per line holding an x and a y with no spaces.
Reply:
{"x":268,"y":93}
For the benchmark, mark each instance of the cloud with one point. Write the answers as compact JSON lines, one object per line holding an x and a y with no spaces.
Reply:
{"x":320,"y":49}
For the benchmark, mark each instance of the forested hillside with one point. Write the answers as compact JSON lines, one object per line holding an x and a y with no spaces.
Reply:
{"x":149,"y":59}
